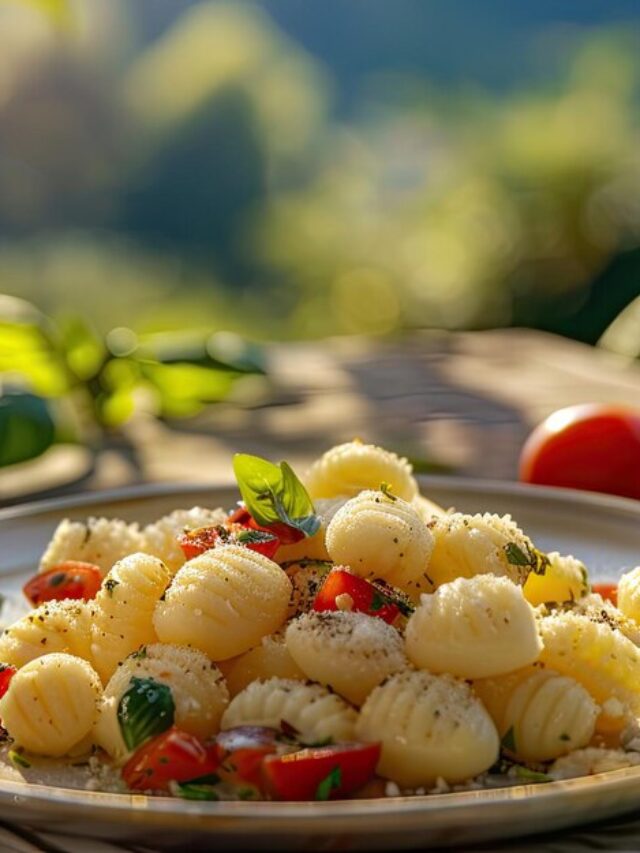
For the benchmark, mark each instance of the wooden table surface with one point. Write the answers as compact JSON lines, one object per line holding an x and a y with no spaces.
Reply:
{"x":463,"y":401}
{"x":466,"y":401}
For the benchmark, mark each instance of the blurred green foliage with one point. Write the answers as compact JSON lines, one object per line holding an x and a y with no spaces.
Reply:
{"x":202,"y":179}
{"x":103,"y":380}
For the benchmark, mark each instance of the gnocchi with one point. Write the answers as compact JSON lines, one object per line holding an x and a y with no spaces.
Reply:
{"x":327,"y":638}
{"x":473,"y":627}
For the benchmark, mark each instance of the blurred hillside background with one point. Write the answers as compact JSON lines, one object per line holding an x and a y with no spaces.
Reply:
{"x":288,"y":169}
{"x":293,"y":169}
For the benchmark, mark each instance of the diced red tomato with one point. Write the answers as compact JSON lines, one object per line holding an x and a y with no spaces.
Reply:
{"x":71,"y":579}
{"x":365,"y":596}
{"x":201,"y":539}
{"x":606,"y":590}
{"x":173,"y":756}
{"x":6,"y":674}
{"x":242,"y":751}
{"x":321,"y":773}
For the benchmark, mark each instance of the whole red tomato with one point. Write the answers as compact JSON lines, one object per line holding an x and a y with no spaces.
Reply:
{"x":595,"y":447}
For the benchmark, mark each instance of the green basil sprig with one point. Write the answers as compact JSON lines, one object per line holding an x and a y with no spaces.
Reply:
{"x":273,"y":493}
{"x":146,"y":709}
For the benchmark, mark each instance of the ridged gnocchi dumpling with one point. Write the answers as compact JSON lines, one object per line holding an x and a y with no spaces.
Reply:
{"x":347,"y":469}
{"x":161,"y":538}
{"x":430,"y":727}
{"x":223,"y":602}
{"x":541,"y":713}
{"x":122,"y":612}
{"x":381,"y":536}
{"x":56,"y":626}
{"x":106,"y":541}
{"x":588,"y":649}
{"x":564,"y":579}
{"x":349,"y":652}
{"x":473,"y":628}
{"x":101,"y":541}
{"x":468,"y":545}
{"x":629,"y":594}
{"x":269,"y":659}
{"x":51,"y":704}
{"x":197,"y":686}
{"x":315,"y":712}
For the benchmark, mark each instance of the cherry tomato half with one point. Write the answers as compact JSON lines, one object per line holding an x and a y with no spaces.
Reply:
{"x":71,"y":579}
{"x":364,"y":595}
{"x":594,"y":447}
{"x":322,"y":773}
{"x":6,"y":674}
{"x":173,"y":756}
{"x":286,"y":534}
{"x":608,"y":591}
{"x":201,"y":539}
{"x":242,"y":750}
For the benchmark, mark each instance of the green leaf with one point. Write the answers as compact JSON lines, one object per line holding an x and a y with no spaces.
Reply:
{"x":516,"y":556}
{"x":329,"y":784}
{"x":28,"y":348}
{"x":194,"y":791}
{"x":184,"y":389}
{"x":531,"y":775}
{"x":532,"y":557}
{"x":252,"y":537}
{"x":273,"y":493}
{"x":26,"y":427}
{"x":509,"y":740}
{"x":16,"y":759}
{"x":146,"y":709}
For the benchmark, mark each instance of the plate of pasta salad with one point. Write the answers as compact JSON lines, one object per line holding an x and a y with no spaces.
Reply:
{"x":344,"y":652}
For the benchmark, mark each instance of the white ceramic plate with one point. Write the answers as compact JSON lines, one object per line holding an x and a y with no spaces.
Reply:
{"x":601,"y":530}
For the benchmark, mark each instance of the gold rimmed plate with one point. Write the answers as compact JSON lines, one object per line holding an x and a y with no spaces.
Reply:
{"x":601,"y":530}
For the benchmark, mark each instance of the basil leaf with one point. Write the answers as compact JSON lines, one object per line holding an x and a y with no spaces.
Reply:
{"x":273,"y":493}
{"x":146,"y":709}
{"x":329,"y":784}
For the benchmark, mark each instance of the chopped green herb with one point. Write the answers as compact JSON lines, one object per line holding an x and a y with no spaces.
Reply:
{"x":565,"y":736}
{"x":385,"y":488}
{"x":145,"y":710}
{"x":249,"y":537}
{"x":532,"y":557}
{"x":110,"y":584}
{"x":329,"y":784}
{"x":307,"y":563}
{"x":509,"y":740}
{"x":247,"y":794}
{"x":273,"y":494}
{"x":17,"y":759}
{"x":141,"y":654}
{"x":193,"y":791}
{"x":377,"y":602}
{"x":531,"y":775}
